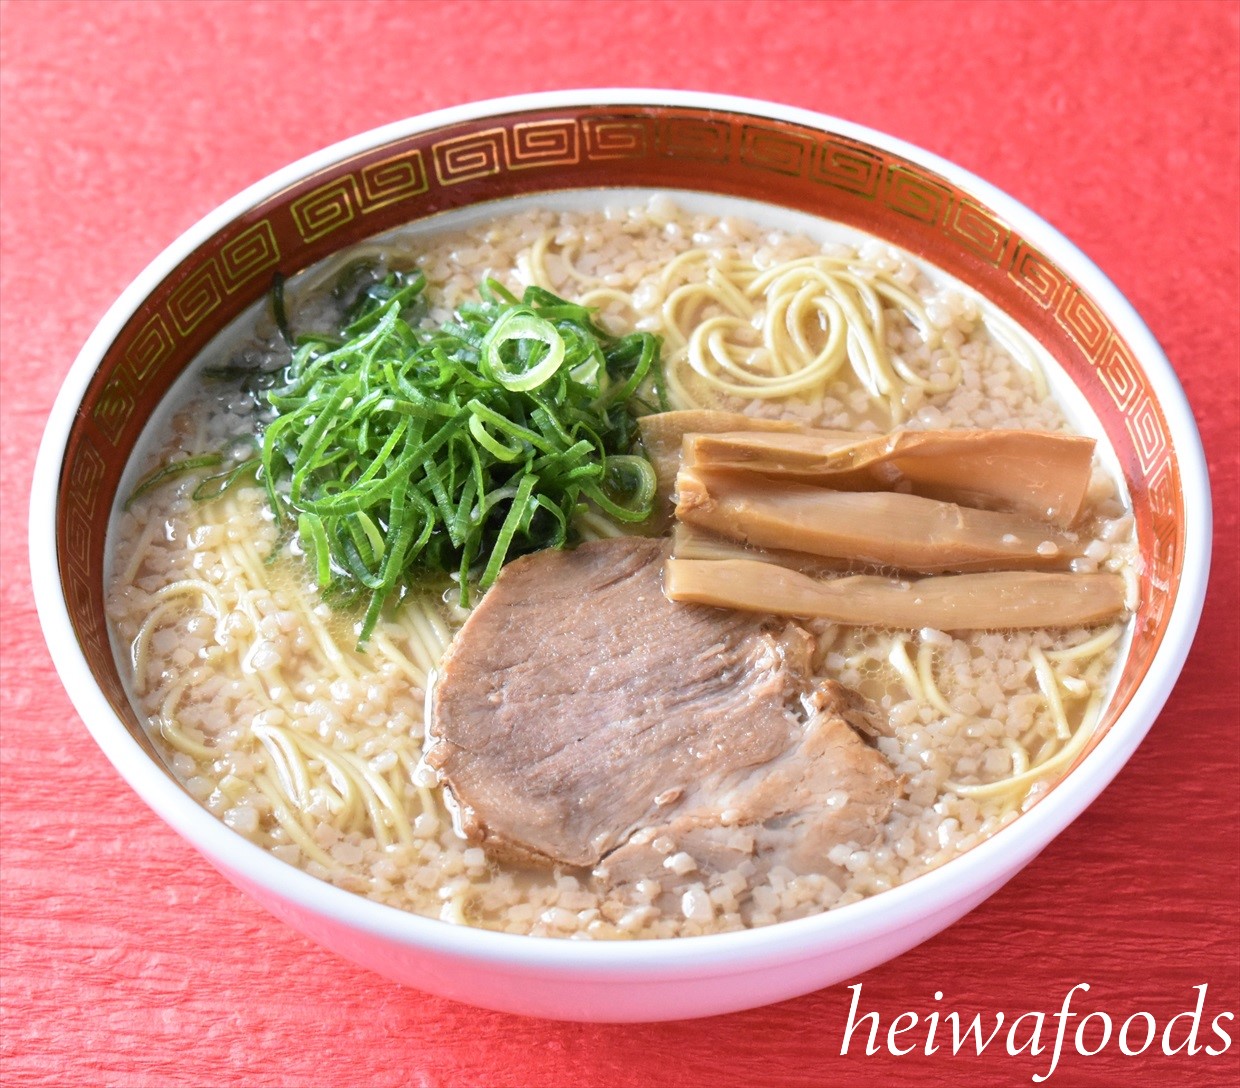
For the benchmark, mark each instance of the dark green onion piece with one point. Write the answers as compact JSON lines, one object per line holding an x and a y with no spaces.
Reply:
{"x":212,"y":487}
{"x":279,"y":311}
{"x":170,"y":471}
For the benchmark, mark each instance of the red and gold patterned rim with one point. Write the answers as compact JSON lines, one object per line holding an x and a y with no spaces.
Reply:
{"x":591,"y":147}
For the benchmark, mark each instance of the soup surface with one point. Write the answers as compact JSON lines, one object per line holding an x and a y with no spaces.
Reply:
{"x":269,"y":713}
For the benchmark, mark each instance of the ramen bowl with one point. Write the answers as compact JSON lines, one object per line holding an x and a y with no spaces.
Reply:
{"x":572,"y":147}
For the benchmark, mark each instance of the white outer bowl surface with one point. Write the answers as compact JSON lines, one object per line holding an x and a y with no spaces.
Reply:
{"x":626,"y":980}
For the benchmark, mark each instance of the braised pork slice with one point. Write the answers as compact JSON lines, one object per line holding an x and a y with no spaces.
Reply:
{"x":578,"y":706}
{"x":577,"y":702}
{"x":829,"y":787}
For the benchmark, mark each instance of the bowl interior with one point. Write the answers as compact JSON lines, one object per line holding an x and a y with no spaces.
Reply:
{"x":729,"y":152}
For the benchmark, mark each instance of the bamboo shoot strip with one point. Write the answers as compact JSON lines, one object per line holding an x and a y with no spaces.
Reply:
{"x":1038,"y":473}
{"x":951,"y":602}
{"x":689,"y":542}
{"x":663,"y":435}
{"x":884,"y":528}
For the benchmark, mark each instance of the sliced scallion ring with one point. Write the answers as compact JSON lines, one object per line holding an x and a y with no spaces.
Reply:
{"x":493,"y":445}
{"x":628,"y":489}
{"x":522,"y":325}
{"x":634,"y":478}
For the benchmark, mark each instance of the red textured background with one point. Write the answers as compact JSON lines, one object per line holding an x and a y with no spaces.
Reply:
{"x":126,"y":961}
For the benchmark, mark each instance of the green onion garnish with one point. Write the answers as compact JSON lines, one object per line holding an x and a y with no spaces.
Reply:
{"x":170,"y":471}
{"x":401,"y":449}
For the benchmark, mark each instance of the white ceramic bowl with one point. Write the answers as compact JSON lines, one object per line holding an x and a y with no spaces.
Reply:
{"x":584,"y":140}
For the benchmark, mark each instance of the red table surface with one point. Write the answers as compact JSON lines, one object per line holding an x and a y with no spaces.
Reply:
{"x":128,"y":961}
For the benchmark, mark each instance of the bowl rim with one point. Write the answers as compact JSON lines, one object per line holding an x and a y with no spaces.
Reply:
{"x":979,"y":870}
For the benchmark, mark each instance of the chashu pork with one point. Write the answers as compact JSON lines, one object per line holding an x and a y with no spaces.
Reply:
{"x":830,"y":787}
{"x":579,"y":715}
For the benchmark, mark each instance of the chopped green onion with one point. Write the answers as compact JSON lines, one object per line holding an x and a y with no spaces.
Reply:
{"x":314,"y":541}
{"x":402,"y":450}
{"x":170,"y":471}
{"x":496,"y":449}
{"x":278,"y":310}
{"x":214,"y":486}
{"x":524,"y":328}
{"x":632,"y":480}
